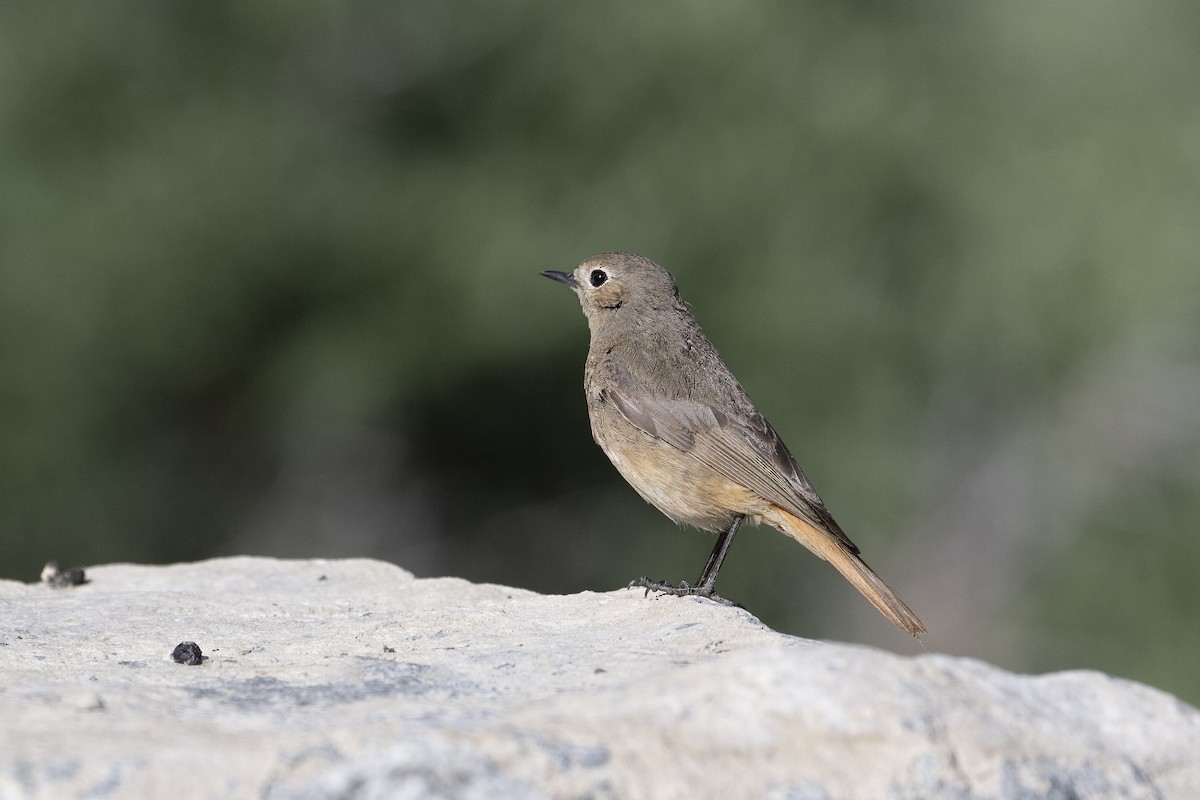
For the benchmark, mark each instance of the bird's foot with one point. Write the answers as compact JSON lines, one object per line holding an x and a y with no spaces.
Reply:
{"x":684,"y":589}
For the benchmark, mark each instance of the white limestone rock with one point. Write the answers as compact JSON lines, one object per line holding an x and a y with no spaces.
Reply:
{"x":352,"y":679}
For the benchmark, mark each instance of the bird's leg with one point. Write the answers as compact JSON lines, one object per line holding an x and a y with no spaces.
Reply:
{"x":708,"y":578}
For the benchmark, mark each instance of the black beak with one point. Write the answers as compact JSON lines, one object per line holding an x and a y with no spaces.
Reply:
{"x":561,"y":277}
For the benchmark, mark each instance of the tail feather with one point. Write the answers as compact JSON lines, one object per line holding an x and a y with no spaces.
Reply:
{"x":853,"y":569}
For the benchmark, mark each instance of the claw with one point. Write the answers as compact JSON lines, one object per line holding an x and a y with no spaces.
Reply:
{"x":684,"y":589}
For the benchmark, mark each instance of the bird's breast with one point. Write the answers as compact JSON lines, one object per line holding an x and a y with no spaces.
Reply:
{"x":673,"y":481}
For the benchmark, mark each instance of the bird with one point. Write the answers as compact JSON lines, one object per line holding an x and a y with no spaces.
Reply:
{"x":680,"y":428}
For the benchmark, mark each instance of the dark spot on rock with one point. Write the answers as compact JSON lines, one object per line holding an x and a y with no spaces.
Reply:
{"x":187,"y":653}
{"x":58,"y":578}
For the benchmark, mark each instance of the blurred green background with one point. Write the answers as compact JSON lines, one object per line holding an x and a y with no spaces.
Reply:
{"x":269,"y":285}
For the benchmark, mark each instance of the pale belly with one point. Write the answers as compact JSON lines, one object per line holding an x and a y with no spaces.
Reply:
{"x":678,"y":485}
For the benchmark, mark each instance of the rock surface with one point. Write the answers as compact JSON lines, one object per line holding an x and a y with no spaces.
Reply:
{"x":352,"y":679}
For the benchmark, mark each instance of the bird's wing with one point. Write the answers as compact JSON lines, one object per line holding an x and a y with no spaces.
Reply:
{"x":745,"y":450}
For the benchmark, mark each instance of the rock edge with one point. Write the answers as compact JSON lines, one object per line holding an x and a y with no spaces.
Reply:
{"x":352,"y":678}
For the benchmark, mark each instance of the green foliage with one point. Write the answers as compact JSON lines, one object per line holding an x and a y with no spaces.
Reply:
{"x":268,"y":283}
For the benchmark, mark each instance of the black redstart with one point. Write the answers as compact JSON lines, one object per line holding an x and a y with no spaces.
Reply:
{"x":679,"y":427}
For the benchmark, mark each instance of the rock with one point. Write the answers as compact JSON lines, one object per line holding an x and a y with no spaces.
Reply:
{"x":352,"y":679}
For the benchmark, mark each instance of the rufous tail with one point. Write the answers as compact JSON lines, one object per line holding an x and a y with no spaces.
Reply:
{"x":854,"y":570}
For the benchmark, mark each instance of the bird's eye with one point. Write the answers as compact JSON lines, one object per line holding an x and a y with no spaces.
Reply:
{"x":598,"y":277}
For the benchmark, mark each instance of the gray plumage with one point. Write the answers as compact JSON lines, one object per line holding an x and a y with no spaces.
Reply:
{"x":683,"y":432}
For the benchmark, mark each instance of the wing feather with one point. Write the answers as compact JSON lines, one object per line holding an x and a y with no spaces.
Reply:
{"x":749,"y":453}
